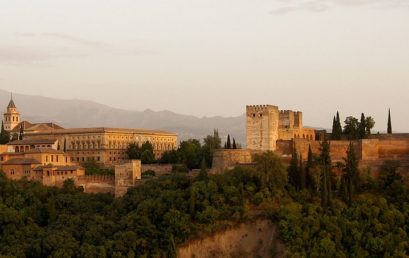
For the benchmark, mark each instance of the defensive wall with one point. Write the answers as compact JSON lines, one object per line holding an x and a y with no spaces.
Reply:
{"x":97,"y":183}
{"x":372,"y":153}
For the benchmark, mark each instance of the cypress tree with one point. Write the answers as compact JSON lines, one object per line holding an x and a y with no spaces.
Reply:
{"x":21,"y":135}
{"x":326,"y":188}
{"x":4,"y":135}
{"x":334,"y":129}
{"x":362,"y":127}
{"x":293,"y":170}
{"x":350,"y":175}
{"x":339,"y":127}
{"x":308,"y":168}
{"x":302,"y":174}
{"x":389,"y":122}
{"x":234,"y":144}
{"x":228,"y":144}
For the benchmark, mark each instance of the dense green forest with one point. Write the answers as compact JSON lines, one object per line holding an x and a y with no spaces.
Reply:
{"x":152,"y":219}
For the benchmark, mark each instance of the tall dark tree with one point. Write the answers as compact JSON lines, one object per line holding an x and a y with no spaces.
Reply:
{"x":210,"y":144}
{"x":350,"y":174}
{"x":21,"y":134}
{"x":389,"y":122}
{"x":133,"y":151}
{"x":228,"y":143}
{"x":293,"y":171}
{"x":4,"y":135}
{"x":334,"y":135}
{"x":302,"y":176}
{"x":308,"y":168}
{"x":234,"y":144}
{"x":370,"y":123}
{"x":351,"y":128}
{"x":336,"y":128}
{"x":326,"y":188}
{"x":362,"y":127}
{"x":339,"y":126}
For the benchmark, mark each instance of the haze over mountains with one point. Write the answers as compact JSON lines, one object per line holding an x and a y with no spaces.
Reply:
{"x":81,"y":113}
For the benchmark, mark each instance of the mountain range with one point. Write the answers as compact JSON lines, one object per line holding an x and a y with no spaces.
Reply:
{"x":82,"y":113}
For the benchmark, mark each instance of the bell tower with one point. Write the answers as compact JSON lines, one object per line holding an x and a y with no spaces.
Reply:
{"x":11,"y":118}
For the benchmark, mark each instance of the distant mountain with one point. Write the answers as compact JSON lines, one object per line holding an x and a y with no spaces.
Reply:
{"x":80,"y":113}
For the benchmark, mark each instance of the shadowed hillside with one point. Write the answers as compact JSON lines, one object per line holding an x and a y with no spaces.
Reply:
{"x":80,"y":113}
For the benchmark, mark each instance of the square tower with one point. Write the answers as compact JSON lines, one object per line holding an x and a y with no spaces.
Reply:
{"x":262,"y":127}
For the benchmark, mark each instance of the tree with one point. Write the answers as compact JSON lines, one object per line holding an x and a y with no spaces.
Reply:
{"x":350,"y":174}
{"x":21,"y":134}
{"x":293,"y":170}
{"x":336,"y":128}
{"x":190,"y":153}
{"x":270,"y":171}
{"x":234,"y":144}
{"x":147,"y":157}
{"x":325,"y":160}
{"x":133,"y":151}
{"x":339,"y":127}
{"x":203,"y":174}
{"x":362,"y":128}
{"x":302,"y":176}
{"x":228,"y":143}
{"x":211,"y":143}
{"x":170,"y":157}
{"x":4,"y":135}
{"x":370,"y":123}
{"x":389,"y":122}
{"x":351,"y":128}
{"x":308,"y":168}
{"x":147,"y":154}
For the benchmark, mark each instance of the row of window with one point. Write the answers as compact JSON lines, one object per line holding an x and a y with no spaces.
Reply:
{"x":117,"y":145}
{"x":14,"y":118}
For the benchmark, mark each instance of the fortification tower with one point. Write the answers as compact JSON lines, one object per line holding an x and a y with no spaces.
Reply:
{"x":262,"y":127}
{"x":11,"y":117}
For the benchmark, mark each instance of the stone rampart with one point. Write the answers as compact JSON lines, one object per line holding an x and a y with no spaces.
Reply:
{"x":160,"y":169}
{"x":97,"y":183}
{"x":228,"y":159}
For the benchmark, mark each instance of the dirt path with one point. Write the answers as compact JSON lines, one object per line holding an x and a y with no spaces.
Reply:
{"x":257,"y":239}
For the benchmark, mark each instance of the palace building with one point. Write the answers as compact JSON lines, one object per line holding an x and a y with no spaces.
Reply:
{"x":106,"y":146}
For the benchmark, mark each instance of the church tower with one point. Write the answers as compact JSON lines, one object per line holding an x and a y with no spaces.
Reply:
{"x":11,"y":117}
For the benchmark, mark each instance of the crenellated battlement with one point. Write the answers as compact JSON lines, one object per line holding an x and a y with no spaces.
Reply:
{"x":260,"y":108}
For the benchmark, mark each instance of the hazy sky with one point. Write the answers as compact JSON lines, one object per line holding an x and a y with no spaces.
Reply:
{"x":212,"y":57}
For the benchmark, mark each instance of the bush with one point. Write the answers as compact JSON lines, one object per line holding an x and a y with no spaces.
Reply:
{"x":148,"y":174}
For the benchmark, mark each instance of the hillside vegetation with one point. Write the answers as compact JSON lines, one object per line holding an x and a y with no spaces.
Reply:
{"x":156,"y":217}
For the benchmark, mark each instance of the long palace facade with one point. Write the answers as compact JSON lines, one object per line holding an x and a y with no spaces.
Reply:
{"x":101,"y":144}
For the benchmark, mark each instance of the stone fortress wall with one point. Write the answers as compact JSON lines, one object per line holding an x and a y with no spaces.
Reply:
{"x":370,"y":152}
{"x":266,"y":124}
{"x":269,"y":129}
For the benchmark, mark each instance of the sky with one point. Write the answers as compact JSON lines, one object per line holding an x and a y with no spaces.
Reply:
{"x":213,"y":57}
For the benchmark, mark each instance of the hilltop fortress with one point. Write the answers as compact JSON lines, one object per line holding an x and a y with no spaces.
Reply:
{"x":269,"y":129}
